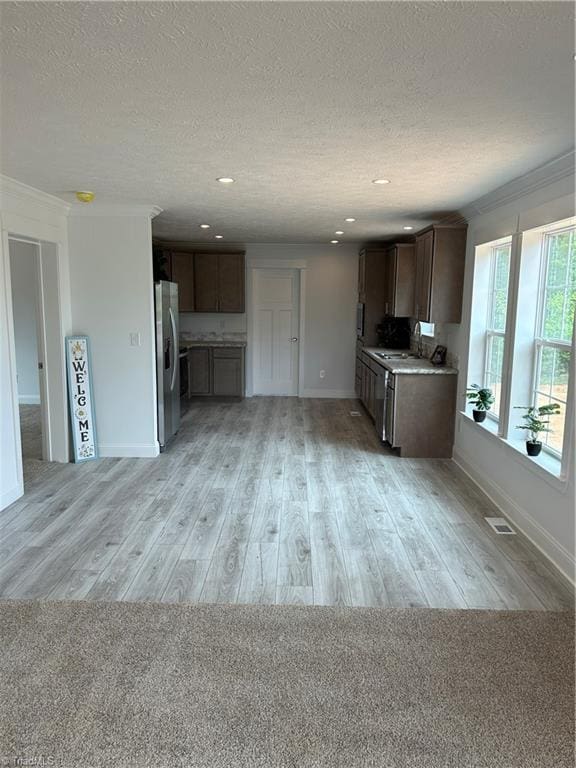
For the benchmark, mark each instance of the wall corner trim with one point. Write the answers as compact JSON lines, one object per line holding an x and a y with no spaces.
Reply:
{"x":555,"y":552}
{"x":544,"y":175}
{"x":139,"y":451}
{"x":83,"y":210}
{"x":10,"y":187}
{"x":330,"y":394}
{"x":9,"y":497}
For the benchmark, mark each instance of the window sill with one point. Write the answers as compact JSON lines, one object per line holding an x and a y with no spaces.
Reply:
{"x":547,"y":467}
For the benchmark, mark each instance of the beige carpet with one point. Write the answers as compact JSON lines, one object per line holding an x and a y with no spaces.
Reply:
{"x":120,"y":684}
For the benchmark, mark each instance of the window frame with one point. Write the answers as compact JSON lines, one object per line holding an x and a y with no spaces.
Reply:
{"x":542,"y":342}
{"x":490,"y":333}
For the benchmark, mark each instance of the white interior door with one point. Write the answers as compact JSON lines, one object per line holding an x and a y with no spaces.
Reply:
{"x":276,"y":327}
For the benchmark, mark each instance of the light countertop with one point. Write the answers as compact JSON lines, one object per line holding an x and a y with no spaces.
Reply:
{"x":191,"y":343}
{"x":408,"y":365}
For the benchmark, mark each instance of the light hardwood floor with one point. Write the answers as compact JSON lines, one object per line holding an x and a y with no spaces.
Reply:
{"x":269,"y":500}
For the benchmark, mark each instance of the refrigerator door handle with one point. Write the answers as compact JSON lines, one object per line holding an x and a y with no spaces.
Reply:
{"x":174,"y":355}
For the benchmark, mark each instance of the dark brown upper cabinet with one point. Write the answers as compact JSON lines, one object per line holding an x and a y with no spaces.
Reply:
{"x":231,"y":289}
{"x":206,"y":282}
{"x":362,"y":276}
{"x":219,"y":283}
{"x":182,"y":271}
{"x":440,"y":259}
{"x":371,"y":272}
{"x":399,"y":280}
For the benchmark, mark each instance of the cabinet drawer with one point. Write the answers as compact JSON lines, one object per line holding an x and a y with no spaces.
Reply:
{"x":234,"y":352}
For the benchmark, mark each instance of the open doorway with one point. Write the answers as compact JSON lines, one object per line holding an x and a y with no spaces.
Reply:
{"x":25,"y":275}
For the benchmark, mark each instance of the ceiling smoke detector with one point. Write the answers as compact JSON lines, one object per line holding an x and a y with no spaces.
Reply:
{"x":84,"y":196}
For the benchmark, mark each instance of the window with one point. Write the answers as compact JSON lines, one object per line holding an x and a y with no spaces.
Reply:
{"x":427,"y":329}
{"x":521,"y":333}
{"x":496,"y":321}
{"x":553,"y":341}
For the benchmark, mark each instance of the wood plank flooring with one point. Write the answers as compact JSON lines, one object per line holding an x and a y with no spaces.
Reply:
{"x":269,"y":500}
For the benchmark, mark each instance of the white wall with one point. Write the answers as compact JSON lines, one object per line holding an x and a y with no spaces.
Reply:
{"x":543,"y":510}
{"x":112,"y":297}
{"x":24,"y":278}
{"x":330,"y":313}
{"x":192,"y":323}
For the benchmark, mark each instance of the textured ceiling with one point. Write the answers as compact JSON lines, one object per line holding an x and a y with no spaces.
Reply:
{"x":303,"y":103}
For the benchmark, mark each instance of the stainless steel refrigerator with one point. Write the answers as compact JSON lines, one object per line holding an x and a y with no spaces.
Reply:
{"x":167,"y":361}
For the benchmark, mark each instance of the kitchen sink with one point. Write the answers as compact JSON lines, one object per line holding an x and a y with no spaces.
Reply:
{"x":397,"y":355}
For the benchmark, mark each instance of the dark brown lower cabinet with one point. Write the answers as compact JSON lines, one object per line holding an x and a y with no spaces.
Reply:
{"x":216,"y":371}
{"x":228,"y":372}
{"x":199,"y":365}
{"x":366,"y":382}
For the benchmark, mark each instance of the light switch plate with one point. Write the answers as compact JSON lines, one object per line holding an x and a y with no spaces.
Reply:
{"x":135,"y":339}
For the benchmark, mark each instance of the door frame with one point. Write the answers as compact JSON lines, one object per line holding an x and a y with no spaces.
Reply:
{"x":53,"y":399}
{"x":276,"y":264}
{"x":27,"y":213}
{"x":40,"y":309}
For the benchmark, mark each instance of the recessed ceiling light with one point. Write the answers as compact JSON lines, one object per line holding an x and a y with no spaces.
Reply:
{"x":338,"y":232}
{"x":225,"y":180}
{"x":218,"y":237}
{"x":350,"y":219}
{"x":407,"y":227}
{"x":204,"y":226}
{"x":334,"y":241}
{"x":381,"y":181}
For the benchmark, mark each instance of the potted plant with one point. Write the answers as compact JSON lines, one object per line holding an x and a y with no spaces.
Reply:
{"x":535,"y":422}
{"x":481,"y":399}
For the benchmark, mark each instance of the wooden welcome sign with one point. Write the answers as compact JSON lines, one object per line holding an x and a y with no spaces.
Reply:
{"x":80,"y":398}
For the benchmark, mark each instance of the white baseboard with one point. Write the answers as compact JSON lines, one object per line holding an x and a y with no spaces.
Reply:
{"x":553,"y":550}
{"x":29,"y":399}
{"x":335,"y":394}
{"x":9,"y":497}
{"x":143,"y":451}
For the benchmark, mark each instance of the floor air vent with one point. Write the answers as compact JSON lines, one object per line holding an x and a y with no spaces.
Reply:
{"x":354,"y":413}
{"x":499,"y":525}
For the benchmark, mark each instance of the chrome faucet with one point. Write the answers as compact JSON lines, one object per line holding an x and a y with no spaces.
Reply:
{"x":418,"y":335}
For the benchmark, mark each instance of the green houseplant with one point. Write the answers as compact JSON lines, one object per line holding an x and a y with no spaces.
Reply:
{"x":481,"y":399}
{"x":536,"y":422}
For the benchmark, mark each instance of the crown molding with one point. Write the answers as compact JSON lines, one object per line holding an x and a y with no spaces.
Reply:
{"x":555,"y":170}
{"x":10,"y":187}
{"x":113,"y":209}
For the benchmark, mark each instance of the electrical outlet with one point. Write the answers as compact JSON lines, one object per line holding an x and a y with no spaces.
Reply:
{"x":322,"y":374}
{"x":135,"y":339}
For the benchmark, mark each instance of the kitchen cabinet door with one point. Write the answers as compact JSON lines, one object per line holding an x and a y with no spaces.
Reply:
{"x":371,"y":393}
{"x":389,"y":287}
{"x":228,"y":372}
{"x":362,"y":276}
{"x":404,"y":280}
{"x":231,"y":289}
{"x":440,"y":259}
{"x":206,"y":288}
{"x":183,"y":273}
{"x":424,"y":260}
{"x":199,"y":371}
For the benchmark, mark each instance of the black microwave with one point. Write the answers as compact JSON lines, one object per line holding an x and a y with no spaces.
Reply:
{"x":359,"y":319}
